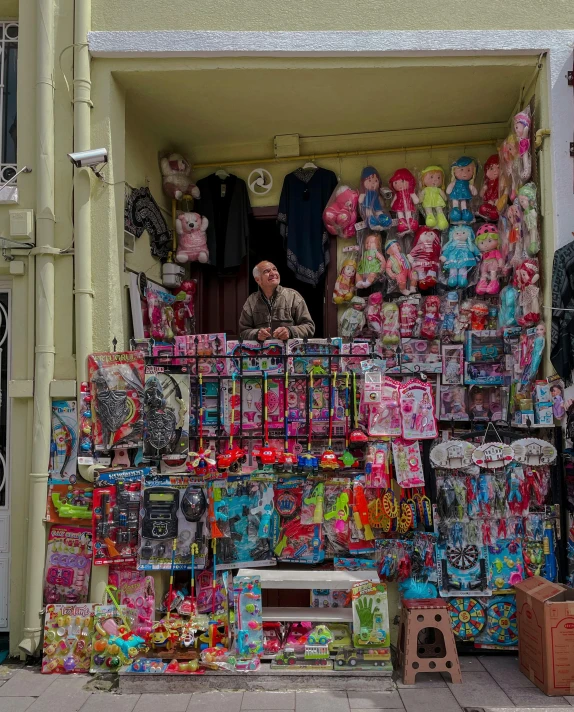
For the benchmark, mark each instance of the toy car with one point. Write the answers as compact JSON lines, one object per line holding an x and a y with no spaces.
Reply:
{"x":266,"y":455}
{"x":286,"y":461}
{"x":271,"y":638}
{"x":320,"y":635}
{"x":248,"y":665}
{"x":231,"y":459}
{"x":329,"y":461}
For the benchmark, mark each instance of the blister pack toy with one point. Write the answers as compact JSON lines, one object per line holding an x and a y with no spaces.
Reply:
{"x":115,"y":515}
{"x":248,"y":621}
{"x":173,"y":507}
{"x":206,"y":347}
{"x":336,"y":517}
{"x":64,"y":443}
{"x":453,"y":403}
{"x":67,"y":638}
{"x":485,"y":374}
{"x":85,"y":450}
{"x":113,"y":644}
{"x":136,"y":592}
{"x":370,"y":615}
{"x":462,"y":561}
{"x":377,"y":465}
{"x":506,"y":565}
{"x":70,"y":504}
{"x":408,"y":463}
{"x":68,"y":565}
{"x":421,"y":356}
{"x":165,"y":408}
{"x":484,"y":345}
{"x":487,"y":402}
{"x":417,"y":411}
{"x":294,"y":541}
{"x":452,"y":364}
{"x":308,"y":355}
{"x":254,"y":357}
{"x":384,"y":416}
{"x":117,"y":386}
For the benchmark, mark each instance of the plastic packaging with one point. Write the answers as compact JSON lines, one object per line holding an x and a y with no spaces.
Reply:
{"x":489,"y":191}
{"x":353,"y":318}
{"x":408,"y":311}
{"x":403,"y":186}
{"x":433,"y":198}
{"x":372,"y":263}
{"x":462,"y":321}
{"x":345,"y":285}
{"x":526,"y":279}
{"x":371,"y":204}
{"x":417,"y":411}
{"x":527,"y":200}
{"x":431,"y":317}
{"x":391,"y":328}
{"x":373,"y":312}
{"x":461,"y":189}
{"x":424,"y":257}
{"x":487,"y":240}
{"x":453,"y":403}
{"x":508,"y":307}
{"x":449,"y":313}
{"x":398,"y":268}
{"x":459,"y":255}
{"x":511,"y":227}
{"x":340,"y":214}
{"x":522,"y":123}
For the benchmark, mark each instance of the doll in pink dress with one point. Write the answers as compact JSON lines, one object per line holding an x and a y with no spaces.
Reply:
{"x":522,"y":123}
{"x":526,"y":280}
{"x":373,"y":312}
{"x":487,"y":241}
{"x":489,"y":190}
{"x":403,"y":186}
{"x":398,"y":267}
{"x":431,"y":317}
{"x":424,"y":257}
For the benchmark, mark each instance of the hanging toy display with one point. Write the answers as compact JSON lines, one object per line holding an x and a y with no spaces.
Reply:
{"x":417,"y":410}
{"x":345,"y":285}
{"x":461,"y":189}
{"x":398,"y":267}
{"x":340,"y":215}
{"x":353,"y":318}
{"x":527,"y":200}
{"x":373,"y":312}
{"x":526,"y":280}
{"x":371,"y":195}
{"x":492,"y":263}
{"x":489,"y":191}
{"x":433,"y":198}
{"x":372,"y":263}
{"x":459,"y":255}
{"x":403,"y":203}
{"x":424,"y":257}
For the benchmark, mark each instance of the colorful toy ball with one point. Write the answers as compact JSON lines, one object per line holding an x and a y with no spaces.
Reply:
{"x":113,"y":661}
{"x":99,"y":660}
{"x":69,"y":663}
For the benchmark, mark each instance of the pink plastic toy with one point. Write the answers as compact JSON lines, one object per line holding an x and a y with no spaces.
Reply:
{"x":373,"y":312}
{"x":526,"y":280}
{"x":431,"y":317}
{"x":492,"y":263}
{"x":407,"y":317}
{"x":398,"y":267}
{"x":403,"y":186}
{"x":184,"y":307}
{"x":424,"y":257}
{"x":192,"y":240}
{"x":340,"y":215}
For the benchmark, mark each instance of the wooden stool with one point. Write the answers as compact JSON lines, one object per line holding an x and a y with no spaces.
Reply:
{"x":426,"y":640}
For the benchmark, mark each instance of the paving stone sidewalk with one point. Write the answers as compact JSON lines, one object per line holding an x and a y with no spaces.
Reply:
{"x":488,"y":682}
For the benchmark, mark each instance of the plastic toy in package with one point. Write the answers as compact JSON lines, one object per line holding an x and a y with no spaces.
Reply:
{"x":461,"y":190}
{"x":372,"y":262}
{"x":424,"y":257}
{"x":489,"y":192}
{"x":404,"y":200}
{"x":68,"y":565}
{"x":248,"y":622}
{"x":420,"y":356}
{"x":371,"y":201}
{"x":117,"y":383}
{"x":353,"y":318}
{"x":340,"y":214}
{"x":453,"y":403}
{"x":488,"y":402}
{"x":459,"y":256}
{"x":67,"y":638}
{"x":114,"y":644}
{"x":370,"y":615}
{"x":294,"y":541}
{"x":64,"y":444}
{"x":417,"y":410}
{"x":452,"y":364}
{"x":253,"y":357}
{"x":398,"y":268}
{"x":345,"y":285}
{"x":165,"y":407}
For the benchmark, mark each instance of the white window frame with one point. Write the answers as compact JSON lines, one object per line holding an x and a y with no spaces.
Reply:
{"x":7,"y":170}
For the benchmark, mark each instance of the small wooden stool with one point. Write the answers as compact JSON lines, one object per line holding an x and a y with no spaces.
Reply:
{"x":426,"y":640}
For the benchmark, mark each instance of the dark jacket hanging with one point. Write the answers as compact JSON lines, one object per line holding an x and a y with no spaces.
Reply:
{"x":562,"y":334}
{"x":304,"y":195}
{"x":225,"y":203}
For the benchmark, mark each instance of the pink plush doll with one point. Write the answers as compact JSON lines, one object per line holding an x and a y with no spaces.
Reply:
{"x":192,"y":240}
{"x":398,"y":267}
{"x":403,"y":186}
{"x":176,"y":173}
{"x":424,"y":257}
{"x":184,"y":307}
{"x":340,"y":215}
{"x":373,"y":313}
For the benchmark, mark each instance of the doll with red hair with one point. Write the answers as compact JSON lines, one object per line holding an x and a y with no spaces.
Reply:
{"x":403,"y":186}
{"x":489,"y":190}
{"x":424,"y":257}
{"x":526,"y":279}
{"x":431,"y":317}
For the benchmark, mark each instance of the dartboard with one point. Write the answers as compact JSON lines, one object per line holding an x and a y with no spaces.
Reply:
{"x":501,"y":618}
{"x":462,"y":558}
{"x":467,"y":617}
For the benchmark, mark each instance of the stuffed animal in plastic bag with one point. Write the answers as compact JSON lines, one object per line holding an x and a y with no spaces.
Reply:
{"x":487,"y":241}
{"x":527,"y":200}
{"x":372,"y":262}
{"x":526,"y":279}
{"x":489,"y":190}
{"x":403,"y":185}
{"x":371,"y":200}
{"x":373,"y":313}
{"x":345,"y":285}
{"x":192,"y":240}
{"x":176,"y":173}
{"x":353,"y":318}
{"x":183,"y":307}
{"x":340,"y":215}
{"x":398,"y":267}
{"x":424,"y":257}
{"x":461,"y":189}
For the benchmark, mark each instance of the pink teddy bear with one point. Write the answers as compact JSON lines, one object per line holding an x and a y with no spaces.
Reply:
{"x":340,"y":215}
{"x":192,"y":240}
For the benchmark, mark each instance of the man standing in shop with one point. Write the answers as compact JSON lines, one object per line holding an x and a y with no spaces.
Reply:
{"x":274,"y":311}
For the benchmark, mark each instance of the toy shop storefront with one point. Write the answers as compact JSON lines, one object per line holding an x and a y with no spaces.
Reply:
{"x":273,"y":508}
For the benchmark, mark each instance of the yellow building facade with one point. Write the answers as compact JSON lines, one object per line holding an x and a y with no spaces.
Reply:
{"x":386,"y":83}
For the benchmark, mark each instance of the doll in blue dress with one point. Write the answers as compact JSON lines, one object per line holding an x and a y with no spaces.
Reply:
{"x":459,"y":255}
{"x":461,"y":189}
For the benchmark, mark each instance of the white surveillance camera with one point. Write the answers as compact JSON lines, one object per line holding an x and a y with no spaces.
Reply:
{"x":89,"y":159}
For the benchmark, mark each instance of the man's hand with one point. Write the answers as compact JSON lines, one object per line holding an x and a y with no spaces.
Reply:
{"x":282,"y":332}
{"x":263,"y":334}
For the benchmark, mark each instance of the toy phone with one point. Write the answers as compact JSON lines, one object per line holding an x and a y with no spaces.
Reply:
{"x":160,"y":513}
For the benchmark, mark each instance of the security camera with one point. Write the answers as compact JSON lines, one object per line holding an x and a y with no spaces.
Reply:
{"x":89,"y":159}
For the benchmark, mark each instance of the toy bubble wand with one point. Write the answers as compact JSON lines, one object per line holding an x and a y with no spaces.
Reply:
{"x":265,"y":409}
{"x":286,"y":411}
{"x":171,"y":572}
{"x":193,"y":550}
{"x":214,"y":581}
{"x":357,"y":436}
{"x":347,"y":457}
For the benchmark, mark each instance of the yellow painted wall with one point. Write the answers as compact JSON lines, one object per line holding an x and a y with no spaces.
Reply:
{"x":305,"y":15}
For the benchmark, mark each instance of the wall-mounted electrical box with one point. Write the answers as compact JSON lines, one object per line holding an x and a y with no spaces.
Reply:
{"x":286,"y":145}
{"x":22,"y":224}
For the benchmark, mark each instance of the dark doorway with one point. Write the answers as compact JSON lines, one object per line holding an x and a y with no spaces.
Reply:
{"x":267,"y":244}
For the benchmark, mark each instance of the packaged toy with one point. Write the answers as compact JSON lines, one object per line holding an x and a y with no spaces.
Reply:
{"x":424,"y":257}
{"x":135,"y":592}
{"x":485,"y":374}
{"x":85,"y":453}
{"x":431,"y":317}
{"x":373,"y":312}
{"x":161,"y":313}
{"x":526,"y":280}
{"x":312,"y":355}
{"x":511,"y":227}
{"x":459,"y":255}
{"x":506,"y":565}
{"x":202,"y":350}
{"x":176,"y":180}
{"x":294,"y":541}
{"x":398,"y":268}
{"x":488,"y":402}
{"x":527,"y":200}
{"x":489,"y":191}
{"x":371,"y":200}
{"x":462,"y":562}
{"x":248,"y":622}
{"x":452,"y":454}
{"x":353,"y":318}
{"x":452,"y":364}
{"x":522,"y":123}
{"x":67,"y":503}
{"x":461,"y":190}
{"x":557,"y":395}
{"x":385,"y":418}
{"x":433,"y":197}
{"x":165,"y":407}
{"x":408,"y":312}
{"x":420,"y":356}
{"x":113,"y":643}
{"x":340,"y":215}
{"x":377,"y":459}
{"x":535,"y":355}
{"x":490,"y":623}
{"x":336,"y":517}
{"x":462,"y":321}
{"x":408,"y":463}
{"x":508,"y":307}
{"x":117,"y":381}
{"x":370,"y":615}
{"x":453,"y":403}
{"x":479,"y":316}
{"x":448,"y":316}
{"x":184,"y":308}
{"x":492,"y":263}
{"x":372,"y":263}
{"x":67,"y":638}
{"x":483,"y":345}
{"x":191,"y":238}
{"x":345,"y":285}
{"x":403,"y":186}
{"x":391,"y":328}
{"x":64,"y":443}
{"x":68,"y":565}
{"x":417,"y":411}
{"x":253,"y":357}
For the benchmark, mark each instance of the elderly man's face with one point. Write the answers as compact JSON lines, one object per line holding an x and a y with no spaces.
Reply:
{"x":268,"y":275}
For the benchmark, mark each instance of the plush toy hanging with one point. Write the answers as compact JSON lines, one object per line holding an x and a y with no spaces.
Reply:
{"x":192,"y":239}
{"x":353,"y":318}
{"x":176,"y":172}
{"x":433,"y":198}
{"x":403,"y":186}
{"x":345,"y":285}
{"x":371,"y":196}
{"x":372,"y":262}
{"x":424,"y":257}
{"x":340,"y":215}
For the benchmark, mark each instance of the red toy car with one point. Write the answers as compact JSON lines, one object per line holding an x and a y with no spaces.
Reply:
{"x":231,"y":459}
{"x":329,"y":461}
{"x":266,"y":455}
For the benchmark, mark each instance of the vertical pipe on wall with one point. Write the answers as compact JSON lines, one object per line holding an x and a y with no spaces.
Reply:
{"x":44,"y":349}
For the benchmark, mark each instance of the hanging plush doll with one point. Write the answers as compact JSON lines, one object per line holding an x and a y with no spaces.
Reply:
{"x":372,"y":262}
{"x":373,"y":313}
{"x":391,"y":327}
{"x":424,"y":257}
{"x":340,"y":215}
{"x":459,"y":255}
{"x":399,"y":268}
{"x":527,"y":199}
{"x":487,"y":241}
{"x":461,"y":189}
{"x":526,"y":279}
{"x":489,"y":190}
{"x":522,"y":122}
{"x":345,"y":284}
{"x":403,"y":185}
{"x":353,"y":318}
{"x":433,"y":197}
{"x":371,"y":200}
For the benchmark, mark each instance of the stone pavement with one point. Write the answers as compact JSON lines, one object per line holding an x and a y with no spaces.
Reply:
{"x":488,"y":682}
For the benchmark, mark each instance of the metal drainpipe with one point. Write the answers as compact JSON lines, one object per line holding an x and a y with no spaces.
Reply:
{"x":44,"y":348}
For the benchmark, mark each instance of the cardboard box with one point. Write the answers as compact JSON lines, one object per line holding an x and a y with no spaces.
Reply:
{"x":545,"y":614}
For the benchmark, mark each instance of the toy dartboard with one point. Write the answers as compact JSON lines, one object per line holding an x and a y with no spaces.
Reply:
{"x":501,"y":618}
{"x":467,"y":617}
{"x":462,"y":558}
